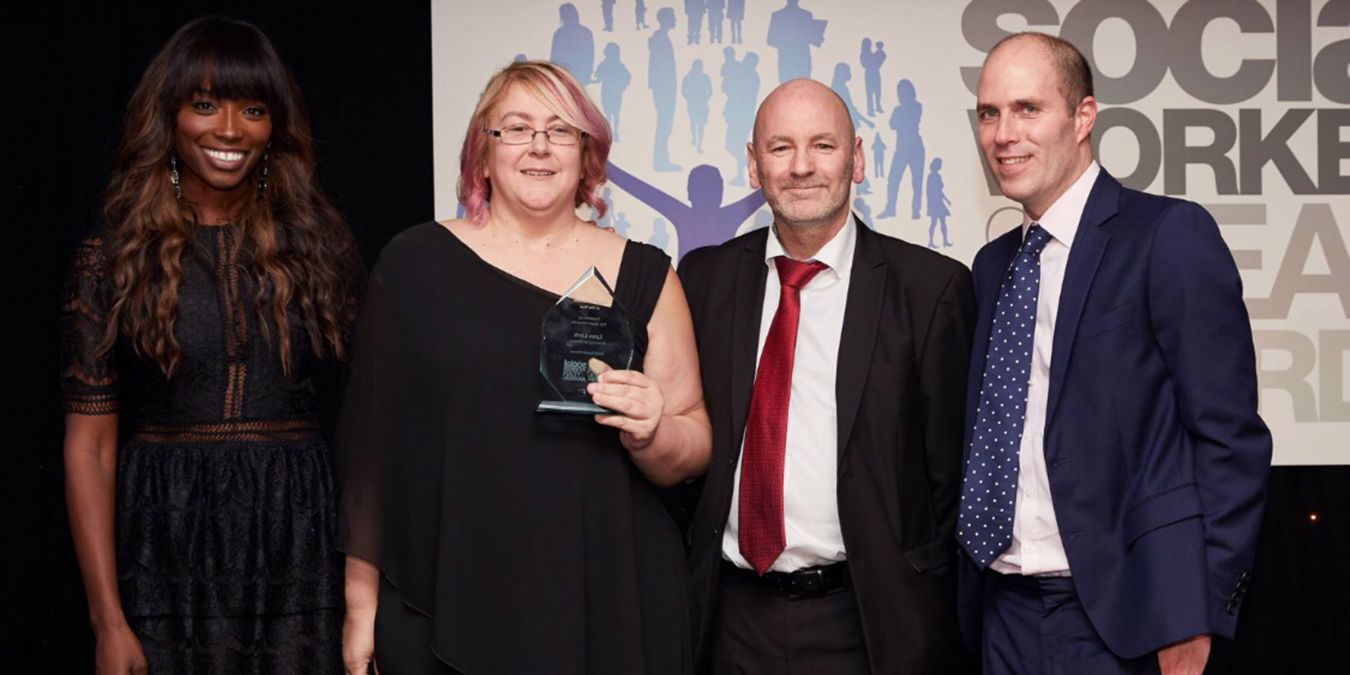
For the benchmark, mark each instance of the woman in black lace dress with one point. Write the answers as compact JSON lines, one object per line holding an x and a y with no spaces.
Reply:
{"x":201,"y":497}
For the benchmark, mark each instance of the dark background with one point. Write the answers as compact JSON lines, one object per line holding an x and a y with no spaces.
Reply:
{"x":365,"y":70}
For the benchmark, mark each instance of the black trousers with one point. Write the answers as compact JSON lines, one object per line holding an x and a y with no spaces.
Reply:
{"x":760,"y":630}
{"x":1036,"y":625}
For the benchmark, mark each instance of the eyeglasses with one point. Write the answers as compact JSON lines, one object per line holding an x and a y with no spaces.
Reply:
{"x":521,"y":134}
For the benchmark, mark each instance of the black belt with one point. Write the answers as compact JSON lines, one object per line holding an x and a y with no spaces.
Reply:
{"x":818,"y":579}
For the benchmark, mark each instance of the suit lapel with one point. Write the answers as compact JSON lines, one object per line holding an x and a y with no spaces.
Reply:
{"x":867,"y":285}
{"x":1089,"y":244}
{"x":751,"y":273}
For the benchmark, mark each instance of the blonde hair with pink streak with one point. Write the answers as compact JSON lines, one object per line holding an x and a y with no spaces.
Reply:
{"x":564,"y":97}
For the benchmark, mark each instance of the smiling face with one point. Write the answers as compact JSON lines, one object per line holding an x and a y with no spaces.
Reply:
{"x":1035,"y":143}
{"x":219,"y":143}
{"x":804,"y":155}
{"x":538,"y":177}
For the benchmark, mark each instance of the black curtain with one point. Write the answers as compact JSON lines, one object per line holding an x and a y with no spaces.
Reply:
{"x":365,"y":70}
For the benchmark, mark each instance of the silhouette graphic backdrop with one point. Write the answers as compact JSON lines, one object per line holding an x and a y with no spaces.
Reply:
{"x":1265,"y":166}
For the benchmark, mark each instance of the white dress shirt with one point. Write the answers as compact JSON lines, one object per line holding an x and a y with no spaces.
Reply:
{"x":810,"y":502}
{"x":1036,"y":547}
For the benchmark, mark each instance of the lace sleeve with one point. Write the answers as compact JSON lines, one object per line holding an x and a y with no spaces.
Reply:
{"x":88,"y":378}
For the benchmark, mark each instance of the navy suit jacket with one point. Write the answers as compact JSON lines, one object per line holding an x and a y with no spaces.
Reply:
{"x":1156,"y":456}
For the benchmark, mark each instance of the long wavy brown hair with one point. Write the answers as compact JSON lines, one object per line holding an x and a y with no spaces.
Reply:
{"x":293,"y":244}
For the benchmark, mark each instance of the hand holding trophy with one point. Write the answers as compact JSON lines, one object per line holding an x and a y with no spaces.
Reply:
{"x":585,"y":333}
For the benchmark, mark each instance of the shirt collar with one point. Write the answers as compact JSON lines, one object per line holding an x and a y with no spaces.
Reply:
{"x":837,"y":253}
{"x":1061,"y":219}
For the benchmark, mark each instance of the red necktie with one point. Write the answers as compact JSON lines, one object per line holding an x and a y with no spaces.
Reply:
{"x":760,"y":516}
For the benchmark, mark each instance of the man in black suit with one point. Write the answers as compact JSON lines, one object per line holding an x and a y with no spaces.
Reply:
{"x":833,"y":362}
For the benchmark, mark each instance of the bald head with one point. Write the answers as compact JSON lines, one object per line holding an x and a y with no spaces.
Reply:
{"x":1071,"y":67}
{"x":798,"y":95}
{"x":803,"y":155}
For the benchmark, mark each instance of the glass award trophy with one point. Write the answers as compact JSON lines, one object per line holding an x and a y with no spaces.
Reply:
{"x":586,"y":333}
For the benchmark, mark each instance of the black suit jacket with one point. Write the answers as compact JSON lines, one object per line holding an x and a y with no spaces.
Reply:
{"x":903,"y":358}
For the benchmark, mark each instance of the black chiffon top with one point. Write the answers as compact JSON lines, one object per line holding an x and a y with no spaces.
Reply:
{"x":531,"y":540}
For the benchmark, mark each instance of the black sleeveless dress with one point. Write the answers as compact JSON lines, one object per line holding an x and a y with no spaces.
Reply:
{"x":226,"y":505}
{"x":528,"y":543}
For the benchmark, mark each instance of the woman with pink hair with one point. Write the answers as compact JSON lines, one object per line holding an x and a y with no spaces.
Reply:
{"x":482,"y":536}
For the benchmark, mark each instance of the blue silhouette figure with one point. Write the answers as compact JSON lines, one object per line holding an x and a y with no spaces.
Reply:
{"x":660,"y":235}
{"x":842,"y":74}
{"x":908,"y":149}
{"x":607,"y":11}
{"x":763,"y":219}
{"x":937,"y":204}
{"x":740,"y":83}
{"x":736,"y":17}
{"x":879,"y":156}
{"x":520,"y":57}
{"x":607,"y":196}
{"x":864,"y":212}
{"x":573,"y":45}
{"x":792,"y":31}
{"x":729,"y":64}
{"x":614,"y":78}
{"x":640,"y":15}
{"x":661,"y":78}
{"x":871,"y":61}
{"x":621,"y":224}
{"x":716,"y":10}
{"x":697,"y":91}
{"x":701,"y":222}
{"x":693,"y":11}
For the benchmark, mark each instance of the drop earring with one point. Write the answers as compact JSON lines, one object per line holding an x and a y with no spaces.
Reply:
{"x":262,"y":174}
{"x":175,"y":179}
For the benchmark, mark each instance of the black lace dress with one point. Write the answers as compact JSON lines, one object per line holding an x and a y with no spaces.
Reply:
{"x":225,"y":496}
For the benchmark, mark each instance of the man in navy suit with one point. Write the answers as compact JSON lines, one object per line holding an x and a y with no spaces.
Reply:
{"x":1115,"y":462}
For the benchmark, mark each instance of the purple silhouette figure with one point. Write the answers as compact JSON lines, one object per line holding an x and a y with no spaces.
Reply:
{"x":621,"y":224}
{"x":704,"y":221}
{"x":864,"y":212}
{"x":693,"y":11}
{"x":879,"y":156}
{"x":716,"y":8}
{"x":736,"y":16}
{"x":607,"y":11}
{"x":614,"y":78}
{"x":660,"y":237}
{"x":937,"y":204}
{"x":697,"y":91}
{"x":871,"y":64}
{"x":662,"y":80}
{"x":573,"y":45}
{"x":640,"y":15}
{"x":740,"y":82}
{"x":793,"y":31}
{"x":909,"y":151}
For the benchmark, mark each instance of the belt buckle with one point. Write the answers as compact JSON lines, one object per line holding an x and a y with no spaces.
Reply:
{"x":807,"y":581}
{"x":818,"y":577}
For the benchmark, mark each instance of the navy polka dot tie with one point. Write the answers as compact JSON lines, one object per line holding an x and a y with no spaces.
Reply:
{"x":989,"y":489}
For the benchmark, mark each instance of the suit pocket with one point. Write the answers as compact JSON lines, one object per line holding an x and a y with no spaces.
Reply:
{"x":1108,"y":321}
{"x":1166,"y":508}
{"x":930,"y":556}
